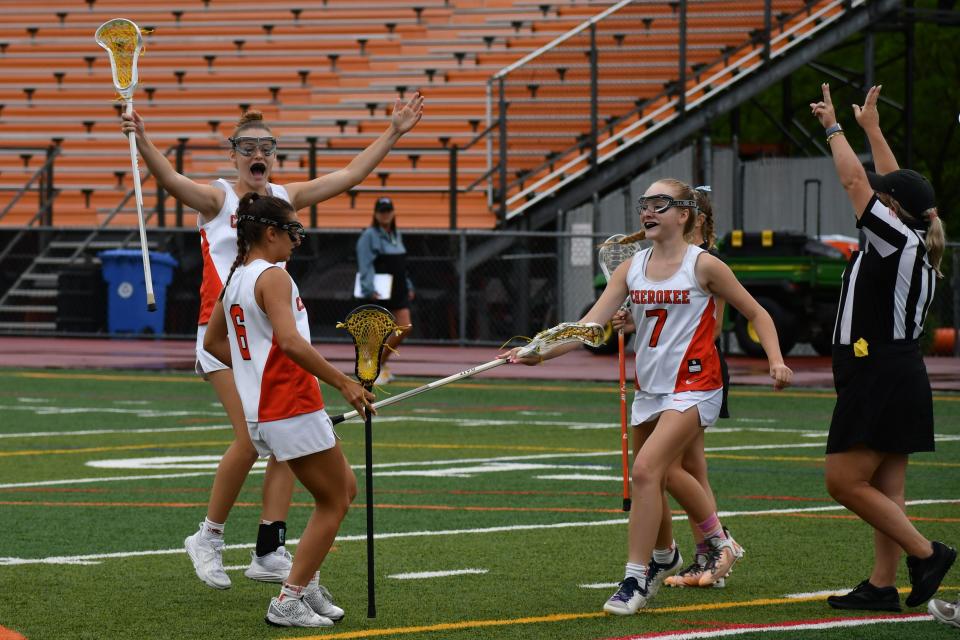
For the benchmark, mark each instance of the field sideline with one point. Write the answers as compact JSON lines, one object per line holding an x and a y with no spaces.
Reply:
{"x":497,"y":516}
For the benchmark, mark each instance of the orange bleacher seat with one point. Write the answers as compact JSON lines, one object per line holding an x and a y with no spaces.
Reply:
{"x":336,"y":67}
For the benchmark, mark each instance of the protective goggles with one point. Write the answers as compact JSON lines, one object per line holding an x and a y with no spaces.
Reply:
{"x":660,"y":203}
{"x":247,"y":146}
{"x":294,"y":229}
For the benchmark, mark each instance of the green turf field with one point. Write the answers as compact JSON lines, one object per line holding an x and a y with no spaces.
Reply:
{"x":515,"y":484}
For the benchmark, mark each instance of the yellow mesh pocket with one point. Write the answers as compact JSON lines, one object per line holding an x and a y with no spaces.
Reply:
{"x":123,"y":41}
{"x":369,"y":326}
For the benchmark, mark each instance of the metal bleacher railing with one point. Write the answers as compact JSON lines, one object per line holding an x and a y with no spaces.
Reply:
{"x":683,"y":70}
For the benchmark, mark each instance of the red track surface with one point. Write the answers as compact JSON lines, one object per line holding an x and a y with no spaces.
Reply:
{"x":413,"y":360}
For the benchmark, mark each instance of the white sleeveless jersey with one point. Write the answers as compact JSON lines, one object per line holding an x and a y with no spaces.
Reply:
{"x":675,"y":323}
{"x":218,"y":244}
{"x":272,"y":386}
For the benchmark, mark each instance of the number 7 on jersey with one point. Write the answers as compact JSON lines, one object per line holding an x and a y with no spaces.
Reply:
{"x":661,"y":316}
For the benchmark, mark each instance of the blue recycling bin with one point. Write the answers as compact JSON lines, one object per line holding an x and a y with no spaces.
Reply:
{"x":127,"y":290}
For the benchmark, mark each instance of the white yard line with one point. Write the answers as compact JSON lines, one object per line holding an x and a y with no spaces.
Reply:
{"x":420,"y":575}
{"x":98,"y":432}
{"x":599,"y":585}
{"x":88,"y":558}
{"x":816,"y":594}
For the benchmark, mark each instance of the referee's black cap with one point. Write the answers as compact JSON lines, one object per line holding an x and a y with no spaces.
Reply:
{"x":913,"y":191}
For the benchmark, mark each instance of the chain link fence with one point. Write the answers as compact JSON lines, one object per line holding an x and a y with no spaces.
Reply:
{"x":472,"y":287}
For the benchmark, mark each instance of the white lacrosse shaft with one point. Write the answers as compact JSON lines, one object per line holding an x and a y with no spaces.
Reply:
{"x":138,"y":194}
{"x":422,"y":389}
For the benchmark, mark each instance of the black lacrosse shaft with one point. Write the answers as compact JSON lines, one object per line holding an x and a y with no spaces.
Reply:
{"x":371,"y":595}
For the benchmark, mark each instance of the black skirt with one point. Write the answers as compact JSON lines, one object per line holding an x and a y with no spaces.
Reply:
{"x":884,"y":401}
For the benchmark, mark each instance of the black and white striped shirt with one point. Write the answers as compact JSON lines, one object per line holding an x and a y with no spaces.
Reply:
{"x":888,"y":285}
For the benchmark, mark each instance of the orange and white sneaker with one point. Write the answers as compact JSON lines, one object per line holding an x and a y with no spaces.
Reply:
{"x":723,"y":555}
{"x":690,"y":576}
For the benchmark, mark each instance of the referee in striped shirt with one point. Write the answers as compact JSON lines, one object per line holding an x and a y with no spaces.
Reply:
{"x":884,"y":409}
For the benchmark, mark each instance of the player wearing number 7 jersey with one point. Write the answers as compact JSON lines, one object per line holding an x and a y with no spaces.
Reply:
{"x":672,"y":286}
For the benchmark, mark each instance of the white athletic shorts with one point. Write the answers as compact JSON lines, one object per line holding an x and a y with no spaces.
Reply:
{"x":649,"y":406}
{"x":206,"y":362}
{"x":293,"y":437}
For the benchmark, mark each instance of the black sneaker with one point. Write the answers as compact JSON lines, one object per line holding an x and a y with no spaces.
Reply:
{"x":927,"y":573}
{"x":867,"y":597}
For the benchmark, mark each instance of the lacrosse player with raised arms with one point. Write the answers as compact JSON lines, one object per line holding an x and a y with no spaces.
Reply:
{"x":253,"y":148}
{"x":259,"y":327}
{"x":671,"y":286}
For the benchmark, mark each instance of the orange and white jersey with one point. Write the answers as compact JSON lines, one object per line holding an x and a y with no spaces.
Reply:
{"x":675,"y":323}
{"x":218,"y":244}
{"x":272,"y":386}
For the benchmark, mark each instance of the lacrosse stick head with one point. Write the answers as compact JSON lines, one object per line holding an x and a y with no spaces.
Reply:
{"x":369,"y":325}
{"x":124,"y":42}
{"x":613,"y":252}
{"x":589,"y":333}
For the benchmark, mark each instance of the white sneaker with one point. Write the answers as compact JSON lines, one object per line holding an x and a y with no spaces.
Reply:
{"x":657,"y":573}
{"x":294,"y":612}
{"x":628,"y":599}
{"x":319,"y":599}
{"x":273,"y":567}
{"x":945,"y":612}
{"x":207,"y":556}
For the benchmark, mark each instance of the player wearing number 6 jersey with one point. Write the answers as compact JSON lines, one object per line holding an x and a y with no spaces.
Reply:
{"x":260,"y":329}
{"x":671,"y":286}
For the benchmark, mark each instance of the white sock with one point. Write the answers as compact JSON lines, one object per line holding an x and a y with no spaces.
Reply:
{"x":664,"y":556}
{"x":212,"y":529}
{"x":288,"y":591}
{"x":638,"y":571}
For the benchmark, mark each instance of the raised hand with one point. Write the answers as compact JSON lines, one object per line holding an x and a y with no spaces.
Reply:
{"x":867,"y":116}
{"x":406,"y":116}
{"x":823,"y":110}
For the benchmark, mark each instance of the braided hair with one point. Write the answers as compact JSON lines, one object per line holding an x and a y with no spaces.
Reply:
{"x":705,"y":208}
{"x":250,"y":231}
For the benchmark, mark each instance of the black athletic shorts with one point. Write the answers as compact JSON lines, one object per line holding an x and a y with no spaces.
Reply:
{"x":884,"y":401}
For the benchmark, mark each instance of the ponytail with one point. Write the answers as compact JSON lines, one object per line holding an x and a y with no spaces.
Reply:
{"x":936,"y":240}
{"x":242,"y":250}
{"x":705,"y":207}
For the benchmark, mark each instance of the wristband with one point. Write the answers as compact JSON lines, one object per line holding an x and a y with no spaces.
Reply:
{"x":832,"y":129}
{"x":834,"y":135}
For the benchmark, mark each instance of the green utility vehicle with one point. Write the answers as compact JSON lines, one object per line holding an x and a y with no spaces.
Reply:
{"x":794,"y":277}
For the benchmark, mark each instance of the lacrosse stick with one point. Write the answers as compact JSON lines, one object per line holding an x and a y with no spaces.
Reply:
{"x":589,"y":333}
{"x":369,"y":326}
{"x":612,"y":253}
{"x":123,"y":41}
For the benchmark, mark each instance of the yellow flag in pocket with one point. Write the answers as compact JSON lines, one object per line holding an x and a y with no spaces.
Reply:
{"x":861,"y":348}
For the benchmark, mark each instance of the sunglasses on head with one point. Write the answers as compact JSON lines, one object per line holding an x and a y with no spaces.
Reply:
{"x":660,"y":203}
{"x":294,"y":229}
{"x":247,"y":146}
